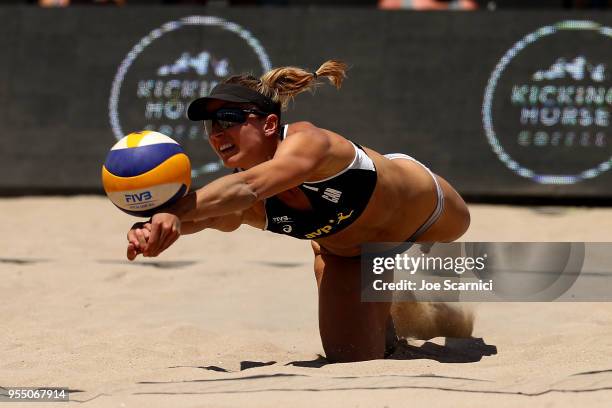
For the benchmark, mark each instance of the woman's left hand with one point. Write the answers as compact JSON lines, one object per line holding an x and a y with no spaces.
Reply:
{"x":165,"y":229}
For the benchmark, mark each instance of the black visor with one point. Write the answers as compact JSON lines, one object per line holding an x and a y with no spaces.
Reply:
{"x":198,"y":109}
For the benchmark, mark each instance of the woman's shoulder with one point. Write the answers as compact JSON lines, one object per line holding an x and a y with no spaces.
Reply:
{"x":301,"y":126}
{"x":330,"y":150}
{"x":308,"y":130}
{"x":301,"y":134}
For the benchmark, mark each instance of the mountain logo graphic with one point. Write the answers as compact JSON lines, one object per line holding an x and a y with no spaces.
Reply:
{"x":577,"y":69}
{"x":201,"y":64}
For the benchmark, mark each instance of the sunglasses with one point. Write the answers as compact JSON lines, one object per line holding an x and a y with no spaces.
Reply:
{"x":228,"y":117}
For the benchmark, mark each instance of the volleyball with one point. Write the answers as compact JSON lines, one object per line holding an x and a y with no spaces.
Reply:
{"x":145,"y":172}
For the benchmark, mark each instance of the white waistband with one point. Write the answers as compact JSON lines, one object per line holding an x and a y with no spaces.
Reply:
{"x":437,"y":212}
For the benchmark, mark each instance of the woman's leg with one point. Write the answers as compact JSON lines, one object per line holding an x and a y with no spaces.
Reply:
{"x":425,"y":320}
{"x":351,"y":330}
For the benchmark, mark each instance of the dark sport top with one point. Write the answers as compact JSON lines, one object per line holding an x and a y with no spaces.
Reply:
{"x":336,"y":201}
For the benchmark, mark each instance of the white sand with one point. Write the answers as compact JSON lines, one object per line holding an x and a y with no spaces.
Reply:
{"x":143,"y":334}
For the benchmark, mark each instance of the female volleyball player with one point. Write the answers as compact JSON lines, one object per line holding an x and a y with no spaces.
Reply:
{"x":311,"y":183}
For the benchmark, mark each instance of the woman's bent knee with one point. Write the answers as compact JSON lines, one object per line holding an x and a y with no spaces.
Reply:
{"x":351,"y":330}
{"x":349,"y":354}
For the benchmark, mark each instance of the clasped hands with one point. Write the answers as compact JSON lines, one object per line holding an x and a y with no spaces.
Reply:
{"x":153,"y":237}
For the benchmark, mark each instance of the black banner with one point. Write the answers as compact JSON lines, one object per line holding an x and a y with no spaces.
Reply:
{"x":502,"y":104}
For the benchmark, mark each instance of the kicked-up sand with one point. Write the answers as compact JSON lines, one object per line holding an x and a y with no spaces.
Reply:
{"x":230,"y":320}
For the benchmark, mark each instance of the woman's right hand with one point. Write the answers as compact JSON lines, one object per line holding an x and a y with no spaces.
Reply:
{"x":137,"y":237}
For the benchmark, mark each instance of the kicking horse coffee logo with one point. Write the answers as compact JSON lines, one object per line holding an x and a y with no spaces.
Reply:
{"x":171,"y":66}
{"x":547,"y":104}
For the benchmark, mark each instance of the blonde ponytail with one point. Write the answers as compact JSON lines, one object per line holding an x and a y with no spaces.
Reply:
{"x":284,"y":83}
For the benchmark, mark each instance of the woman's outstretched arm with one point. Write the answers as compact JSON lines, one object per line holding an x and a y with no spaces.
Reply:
{"x":139,"y":234}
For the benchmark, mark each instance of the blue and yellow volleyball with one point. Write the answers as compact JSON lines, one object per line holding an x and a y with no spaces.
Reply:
{"x":145,"y":172}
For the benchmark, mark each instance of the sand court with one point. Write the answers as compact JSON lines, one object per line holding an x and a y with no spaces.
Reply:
{"x":231,"y":320}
